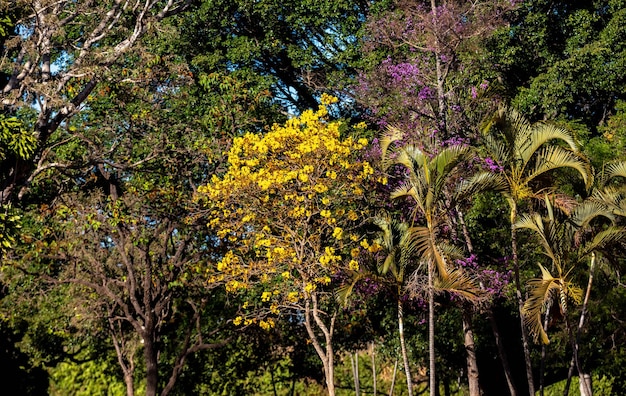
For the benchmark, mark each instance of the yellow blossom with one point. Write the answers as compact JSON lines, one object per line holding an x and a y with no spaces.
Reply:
{"x":237,"y":321}
{"x":265,"y":297}
{"x":325,"y":280}
{"x":337,"y":232}
{"x":303,"y":177}
{"x":266,"y":324}
{"x":375,"y":247}
{"x":293,"y":296}
{"x":353,"y":265}
{"x":327,"y":99}
{"x":320,"y":188}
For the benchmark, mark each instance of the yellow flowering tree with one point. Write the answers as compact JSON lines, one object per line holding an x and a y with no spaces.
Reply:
{"x":287,"y":208}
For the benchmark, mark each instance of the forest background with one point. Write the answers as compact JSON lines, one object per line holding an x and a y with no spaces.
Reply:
{"x":312,"y":197}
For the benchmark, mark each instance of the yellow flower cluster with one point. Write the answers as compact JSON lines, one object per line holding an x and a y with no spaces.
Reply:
{"x":283,"y":191}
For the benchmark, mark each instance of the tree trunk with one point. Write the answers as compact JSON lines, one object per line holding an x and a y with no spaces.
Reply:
{"x":431,"y":329}
{"x":441,"y":96}
{"x":325,"y":354}
{"x":393,"y":379}
{"x":508,"y":374}
{"x":354,"y":359}
{"x":520,"y":303}
{"x":130,"y":386}
{"x":372,"y":345}
{"x":472,"y":364}
{"x":405,"y":356}
{"x":542,"y":367}
{"x":585,"y":386}
{"x":152,"y":372}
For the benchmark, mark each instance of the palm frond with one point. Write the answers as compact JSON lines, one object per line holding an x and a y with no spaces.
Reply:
{"x":555,"y":157}
{"x":449,"y":158}
{"x":498,"y":150}
{"x":604,"y":238}
{"x":405,"y":189}
{"x":612,"y":171}
{"x":390,"y":137}
{"x":461,"y":284}
{"x":541,"y":290}
{"x":343,"y":292}
{"x":589,"y":210}
{"x":420,"y":240}
{"x":481,"y":182}
{"x":614,"y":198}
{"x":543,"y":133}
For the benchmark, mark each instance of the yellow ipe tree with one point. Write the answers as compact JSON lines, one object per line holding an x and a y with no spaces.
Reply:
{"x":287,"y":208}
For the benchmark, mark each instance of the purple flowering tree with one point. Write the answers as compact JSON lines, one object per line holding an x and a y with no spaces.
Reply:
{"x":427,"y":77}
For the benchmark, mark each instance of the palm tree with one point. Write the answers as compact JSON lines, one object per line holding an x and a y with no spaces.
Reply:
{"x":524,"y":154}
{"x":563,"y":242}
{"x":427,"y":181}
{"x":397,"y":240}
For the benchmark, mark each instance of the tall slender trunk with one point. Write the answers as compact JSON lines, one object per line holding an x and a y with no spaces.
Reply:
{"x":520,"y":302}
{"x":468,"y":332}
{"x":585,"y":386}
{"x":431,"y":329}
{"x":472,"y":364}
{"x":372,"y":347}
{"x":441,"y":97}
{"x":405,"y":356}
{"x":542,"y":366}
{"x":354,"y":360}
{"x":393,"y":379}
{"x":508,"y":374}
{"x":130,"y":386}
{"x":575,"y":358}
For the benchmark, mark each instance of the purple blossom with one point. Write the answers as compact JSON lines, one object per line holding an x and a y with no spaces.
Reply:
{"x":494,"y":282}
{"x":425,"y":93}
{"x":401,"y":72}
{"x":455,"y":141}
{"x":491,"y":165}
{"x":468,"y":262}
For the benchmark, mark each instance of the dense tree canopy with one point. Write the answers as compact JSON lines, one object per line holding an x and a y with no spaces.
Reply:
{"x":306,"y":197}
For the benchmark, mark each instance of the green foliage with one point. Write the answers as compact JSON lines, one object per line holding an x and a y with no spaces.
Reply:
{"x":86,"y":379}
{"x":126,"y":162}
{"x":601,"y":383}
{"x":564,"y":58}
{"x":301,"y":48}
{"x":9,"y":224}
{"x":15,"y":140}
